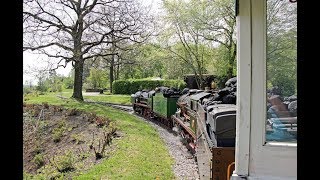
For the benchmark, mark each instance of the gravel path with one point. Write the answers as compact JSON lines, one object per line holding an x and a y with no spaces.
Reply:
{"x":185,"y":167}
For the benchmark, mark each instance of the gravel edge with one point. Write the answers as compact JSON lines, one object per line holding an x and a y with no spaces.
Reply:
{"x":185,"y":166}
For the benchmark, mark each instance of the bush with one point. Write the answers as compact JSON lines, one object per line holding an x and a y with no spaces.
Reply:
{"x":58,"y":132}
{"x":77,"y":138}
{"x":42,"y":88}
{"x":68,"y":83}
{"x":64,"y":163}
{"x":27,"y":175}
{"x":132,"y":86}
{"x":38,"y":160}
{"x":27,"y":90}
{"x":47,"y":172}
{"x":37,"y":149}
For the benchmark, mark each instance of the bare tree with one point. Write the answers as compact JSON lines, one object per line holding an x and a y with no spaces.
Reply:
{"x":75,"y":31}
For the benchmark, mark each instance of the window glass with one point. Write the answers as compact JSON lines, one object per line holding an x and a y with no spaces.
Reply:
{"x":281,"y":54}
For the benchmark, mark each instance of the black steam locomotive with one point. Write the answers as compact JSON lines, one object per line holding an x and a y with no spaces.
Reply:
{"x":205,"y":119}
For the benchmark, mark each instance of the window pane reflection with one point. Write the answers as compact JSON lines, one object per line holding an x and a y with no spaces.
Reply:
{"x":281,"y":71}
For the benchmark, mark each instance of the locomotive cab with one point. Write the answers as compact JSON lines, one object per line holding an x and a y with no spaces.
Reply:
{"x":221,"y":124}
{"x":197,"y":98}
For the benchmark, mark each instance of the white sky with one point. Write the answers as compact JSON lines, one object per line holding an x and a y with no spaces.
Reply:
{"x":35,"y":60}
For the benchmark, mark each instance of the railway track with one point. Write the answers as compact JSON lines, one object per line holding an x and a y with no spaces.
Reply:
{"x":122,"y":107}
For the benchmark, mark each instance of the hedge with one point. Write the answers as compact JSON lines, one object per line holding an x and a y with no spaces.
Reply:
{"x":134,"y":85}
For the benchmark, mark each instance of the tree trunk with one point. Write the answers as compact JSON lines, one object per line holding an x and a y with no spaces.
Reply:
{"x":201,"y":83}
{"x":113,"y":49}
{"x":118,"y":71}
{"x":200,"y":78}
{"x":232,"y":56}
{"x":111,"y":72}
{"x":77,"y":88}
{"x":230,"y":69}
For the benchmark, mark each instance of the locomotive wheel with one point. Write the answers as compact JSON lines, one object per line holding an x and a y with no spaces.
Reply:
{"x":145,"y":113}
{"x":170,"y":123}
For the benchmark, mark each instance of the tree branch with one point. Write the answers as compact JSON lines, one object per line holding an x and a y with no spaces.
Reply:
{"x":48,"y":45}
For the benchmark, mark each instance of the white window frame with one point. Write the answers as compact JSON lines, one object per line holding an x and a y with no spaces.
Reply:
{"x":256,"y":159}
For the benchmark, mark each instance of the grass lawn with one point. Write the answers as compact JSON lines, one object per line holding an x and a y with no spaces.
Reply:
{"x":140,"y":154}
{"x":117,"y":98}
{"x":107,"y":97}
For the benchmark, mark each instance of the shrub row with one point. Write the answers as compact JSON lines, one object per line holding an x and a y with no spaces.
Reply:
{"x":134,"y":85}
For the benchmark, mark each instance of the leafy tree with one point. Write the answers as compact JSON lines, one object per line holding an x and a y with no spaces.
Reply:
{"x":202,"y":35}
{"x":220,"y":65}
{"x":217,"y":24}
{"x":68,"y":82}
{"x":282,"y":45}
{"x":150,"y":61}
{"x":54,"y":81}
{"x":191,"y":46}
{"x":143,"y":60}
{"x":40,"y":73}
{"x":28,"y":87}
{"x":97,"y":78}
{"x":174,"y":68}
{"x":129,"y":69}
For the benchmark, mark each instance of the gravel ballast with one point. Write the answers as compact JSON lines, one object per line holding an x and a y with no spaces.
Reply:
{"x":185,"y":166}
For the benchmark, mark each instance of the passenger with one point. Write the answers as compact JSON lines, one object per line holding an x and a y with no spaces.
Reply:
{"x":276,"y":111}
{"x":213,"y":85}
{"x":278,"y":107}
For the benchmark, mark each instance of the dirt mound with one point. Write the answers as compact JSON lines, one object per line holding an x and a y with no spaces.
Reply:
{"x":63,"y":142}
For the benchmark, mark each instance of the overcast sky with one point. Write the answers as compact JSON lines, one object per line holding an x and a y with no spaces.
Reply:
{"x":35,"y":60}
